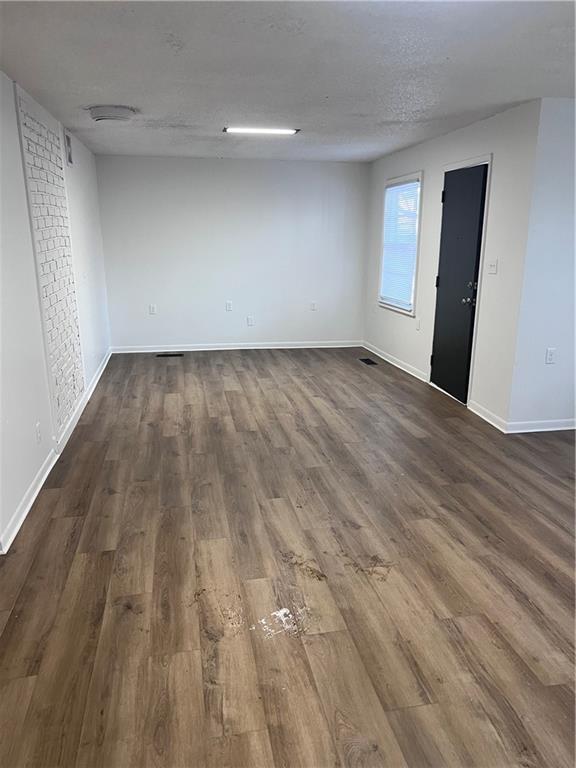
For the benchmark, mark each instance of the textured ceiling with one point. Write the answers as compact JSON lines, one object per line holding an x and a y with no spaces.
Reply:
{"x":359,"y":79}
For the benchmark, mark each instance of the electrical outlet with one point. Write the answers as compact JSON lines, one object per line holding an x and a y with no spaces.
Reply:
{"x":492,"y":267}
{"x":313,"y":306}
{"x":152,"y":309}
{"x":228,"y":306}
{"x":38,"y":433}
{"x":550,"y":355}
{"x":250,"y":320}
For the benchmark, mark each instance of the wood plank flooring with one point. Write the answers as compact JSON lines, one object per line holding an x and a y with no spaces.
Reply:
{"x":249,"y":559}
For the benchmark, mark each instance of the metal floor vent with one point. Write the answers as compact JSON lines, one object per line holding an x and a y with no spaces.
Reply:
{"x":170,"y":354}
{"x":368,"y":361}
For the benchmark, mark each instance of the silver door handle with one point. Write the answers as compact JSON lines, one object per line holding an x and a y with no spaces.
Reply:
{"x":467,"y":301}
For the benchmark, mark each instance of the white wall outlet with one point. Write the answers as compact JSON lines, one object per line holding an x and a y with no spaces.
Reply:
{"x":151,"y":309}
{"x":492,"y":267}
{"x":550,"y":355}
{"x":250,"y":320}
{"x":313,"y":306}
{"x":38,"y":432}
{"x":228,"y":306}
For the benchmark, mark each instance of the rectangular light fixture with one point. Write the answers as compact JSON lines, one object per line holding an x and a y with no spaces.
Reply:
{"x":263,"y":131}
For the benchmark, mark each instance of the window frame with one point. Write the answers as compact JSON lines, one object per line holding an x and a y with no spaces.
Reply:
{"x":395,"y":182}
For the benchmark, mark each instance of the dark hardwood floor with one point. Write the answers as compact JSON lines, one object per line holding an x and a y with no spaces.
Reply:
{"x":287,"y":558}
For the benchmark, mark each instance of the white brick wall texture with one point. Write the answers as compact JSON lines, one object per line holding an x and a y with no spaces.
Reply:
{"x":43,"y":154}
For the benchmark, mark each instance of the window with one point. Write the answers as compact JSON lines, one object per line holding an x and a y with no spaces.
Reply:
{"x":400,"y":244}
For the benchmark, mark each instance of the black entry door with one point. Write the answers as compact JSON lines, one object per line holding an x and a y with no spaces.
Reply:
{"x":462,"y":217}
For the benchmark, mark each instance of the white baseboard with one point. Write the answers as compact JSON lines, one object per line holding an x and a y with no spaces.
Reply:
{"x":518,"y":427}
{"x":548,"y":425}
{"x":488,"y":416}
{"x":235,"y":345}
{"x":86,"y":395}
{"x":9,"y":533}
{"x":396,"y":362}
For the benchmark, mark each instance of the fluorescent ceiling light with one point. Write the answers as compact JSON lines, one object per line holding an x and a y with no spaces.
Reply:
{"x":263,"y":131}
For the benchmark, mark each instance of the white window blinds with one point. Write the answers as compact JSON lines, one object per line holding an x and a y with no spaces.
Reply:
{"x":400,"y":244}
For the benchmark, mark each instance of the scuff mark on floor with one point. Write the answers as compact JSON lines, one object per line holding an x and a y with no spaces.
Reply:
{"x":375,"y":566}
{"x":306,"y":566}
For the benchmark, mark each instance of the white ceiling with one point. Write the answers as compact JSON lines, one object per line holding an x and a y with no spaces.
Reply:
{"x":360,"y":79}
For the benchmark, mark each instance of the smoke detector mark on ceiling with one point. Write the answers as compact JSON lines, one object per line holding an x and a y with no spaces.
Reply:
{"x":174,"y":42}
{"x":100,"y":112}
{"x":174,"y":124}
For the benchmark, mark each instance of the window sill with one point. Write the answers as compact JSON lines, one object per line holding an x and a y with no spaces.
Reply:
{"x":399,"y":310}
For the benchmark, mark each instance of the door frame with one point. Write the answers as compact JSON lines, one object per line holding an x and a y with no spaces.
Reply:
{"x":469,"y":163}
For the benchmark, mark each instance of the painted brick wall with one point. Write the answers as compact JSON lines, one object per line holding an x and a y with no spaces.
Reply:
{"x":45,"y":178}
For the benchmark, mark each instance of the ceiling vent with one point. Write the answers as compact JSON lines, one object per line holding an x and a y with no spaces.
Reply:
{"x":100,"y":112}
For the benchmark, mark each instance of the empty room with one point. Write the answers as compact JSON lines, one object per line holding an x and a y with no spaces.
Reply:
{"x":287,"y":384}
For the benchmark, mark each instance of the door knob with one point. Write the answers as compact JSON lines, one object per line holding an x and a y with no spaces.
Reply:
{"x":466,"y":301}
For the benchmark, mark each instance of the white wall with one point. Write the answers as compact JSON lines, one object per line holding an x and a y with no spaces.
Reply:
{"x":88,"y":259}
{"x":543,"y":395}
{"x":272,"y":237}
{"x":24,"y":389}
{"x":511,"y":139}
{"x":25,"y":398}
